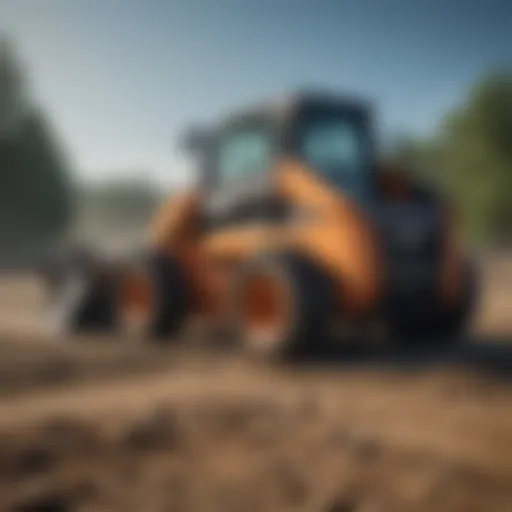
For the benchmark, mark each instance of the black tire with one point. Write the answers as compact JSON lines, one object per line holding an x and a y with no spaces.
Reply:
{"x":169,"y":297}
{"x":311,"y":297}
{"x":79,"y":294}
{"x":443,"y":327}
{"x":453,"y":323}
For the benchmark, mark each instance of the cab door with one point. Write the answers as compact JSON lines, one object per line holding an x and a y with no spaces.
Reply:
{"x":240,"y":204}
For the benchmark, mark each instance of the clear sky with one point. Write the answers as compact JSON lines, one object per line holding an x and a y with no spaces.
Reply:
{"x":122,"y":77}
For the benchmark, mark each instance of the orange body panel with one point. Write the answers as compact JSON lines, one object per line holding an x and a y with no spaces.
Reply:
{"x":176,"y":230}
{"x":335,"y":233}
{"x":176,"y":222}
{"x":232,"y":245}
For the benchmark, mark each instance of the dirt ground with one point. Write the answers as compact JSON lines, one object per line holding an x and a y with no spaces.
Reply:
{"x":112,"y":425}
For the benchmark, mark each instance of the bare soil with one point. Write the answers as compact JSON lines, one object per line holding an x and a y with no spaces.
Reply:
{"x":116,"y":425}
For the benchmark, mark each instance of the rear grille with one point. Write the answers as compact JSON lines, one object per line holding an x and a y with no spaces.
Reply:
{"x":412,"y":245}
{"x":412,"y":268}
{"x":424,"y":243}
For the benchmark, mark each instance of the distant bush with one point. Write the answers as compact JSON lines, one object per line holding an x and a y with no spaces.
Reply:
{"x":117,"y":202}
{"x":115,"y":213}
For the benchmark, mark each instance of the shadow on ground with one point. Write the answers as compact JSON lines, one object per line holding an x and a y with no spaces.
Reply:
{"x":490,"y":355}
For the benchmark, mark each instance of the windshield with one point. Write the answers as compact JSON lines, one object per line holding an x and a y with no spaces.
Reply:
{"x":336,"y":146}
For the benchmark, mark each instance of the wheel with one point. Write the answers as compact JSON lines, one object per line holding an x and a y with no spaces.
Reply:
{"x":443,"y":326}
{"x":282,"y":306}
{"x":153,"y":298}
{"x":79,"y":294}
{"x":453,"y":323}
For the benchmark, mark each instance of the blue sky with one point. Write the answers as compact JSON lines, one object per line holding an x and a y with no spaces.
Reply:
{"x":120,"y":78}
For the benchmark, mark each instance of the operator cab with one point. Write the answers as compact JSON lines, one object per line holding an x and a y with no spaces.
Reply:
{"x":331,"y":135}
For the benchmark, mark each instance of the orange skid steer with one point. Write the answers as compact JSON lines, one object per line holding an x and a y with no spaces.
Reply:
{"x":293,"y":228}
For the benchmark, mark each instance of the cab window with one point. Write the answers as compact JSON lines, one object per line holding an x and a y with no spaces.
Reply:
{"x":244,"y":154}
{"x":335,"y":147}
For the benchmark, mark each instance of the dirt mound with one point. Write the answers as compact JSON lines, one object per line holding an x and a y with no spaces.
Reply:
{"x":233,"y":437}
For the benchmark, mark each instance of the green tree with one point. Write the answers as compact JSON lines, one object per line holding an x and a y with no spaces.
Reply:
{"x":35,"y":192}
{"x":475,"y":147}
{"x":418,"y":156}
{"x":470,"y":156}
{"x":12,"y":91}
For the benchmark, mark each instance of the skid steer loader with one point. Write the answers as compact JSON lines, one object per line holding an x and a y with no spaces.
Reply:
{"x":293,"y":228}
